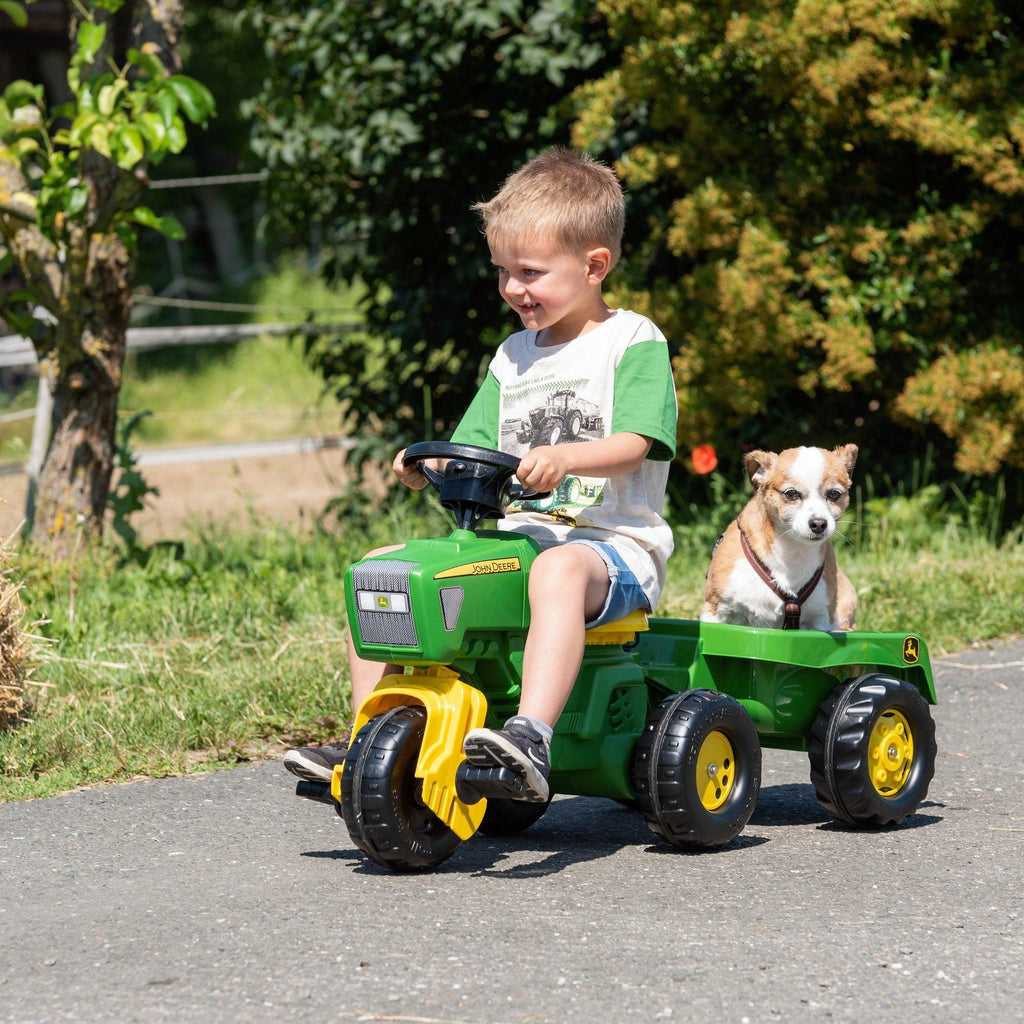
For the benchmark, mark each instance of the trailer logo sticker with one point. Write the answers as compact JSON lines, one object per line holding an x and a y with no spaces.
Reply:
{"x":483,"y":568}
{"x":911,"y":650}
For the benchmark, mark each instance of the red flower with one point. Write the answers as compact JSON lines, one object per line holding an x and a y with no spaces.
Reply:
{"x":704,"y":459}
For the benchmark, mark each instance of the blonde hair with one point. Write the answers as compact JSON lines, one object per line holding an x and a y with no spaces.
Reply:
{"x":570,"y":195}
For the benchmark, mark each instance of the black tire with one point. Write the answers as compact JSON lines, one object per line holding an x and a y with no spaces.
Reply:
{"x":551,"y":432}
{"x":575,"y":423}
{"x":872,"y":751}
{"x":380,"y":795}
{"x":509,"y":817}
{"x":697,"y":769}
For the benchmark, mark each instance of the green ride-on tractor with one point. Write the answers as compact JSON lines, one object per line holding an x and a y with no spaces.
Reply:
{"x":667,"y":715}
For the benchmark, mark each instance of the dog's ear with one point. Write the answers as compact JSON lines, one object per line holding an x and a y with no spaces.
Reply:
{"x":759,"y":465}
{"x":847,"y":455}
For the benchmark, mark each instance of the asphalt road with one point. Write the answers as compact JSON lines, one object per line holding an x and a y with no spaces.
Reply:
{"x":222,"y":898}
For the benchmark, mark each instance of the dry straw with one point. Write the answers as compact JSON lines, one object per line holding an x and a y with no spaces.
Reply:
{"x":15,"y":644}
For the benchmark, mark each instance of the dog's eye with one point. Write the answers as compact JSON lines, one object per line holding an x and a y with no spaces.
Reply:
{"x":833,"y":495}
{"x":791,"y":494}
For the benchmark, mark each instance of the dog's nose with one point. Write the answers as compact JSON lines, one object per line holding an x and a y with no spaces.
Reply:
{"x":817,"y":524}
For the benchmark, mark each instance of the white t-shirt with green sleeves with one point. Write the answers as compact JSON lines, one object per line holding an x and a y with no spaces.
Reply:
{"x":615,"y":378}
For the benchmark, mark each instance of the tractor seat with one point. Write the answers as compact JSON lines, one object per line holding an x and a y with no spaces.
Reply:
{"x":620,"y":631}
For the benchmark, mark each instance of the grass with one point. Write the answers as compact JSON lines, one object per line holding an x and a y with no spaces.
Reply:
{"x":234,"y":648}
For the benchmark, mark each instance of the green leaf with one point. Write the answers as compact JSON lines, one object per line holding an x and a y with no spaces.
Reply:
{"x":153,"y":128}
{"x":195,"y":99}
{"x":99,"y":137}
{"x":167,"y":226}
{"x":15,"y":12}
{"x":81,"y":128}
{"x":148,"y":63}
{"x":176,"y":137}
{"x":89,"y":39}
{"x":130,"y":146}
{"x":21,"y":93}
{"x":76,"y":200}
{"x":167,"y":106}
{"x":21,"y":148}
{"x":107,"y":99}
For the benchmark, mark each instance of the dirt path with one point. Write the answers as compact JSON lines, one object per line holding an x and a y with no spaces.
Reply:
{"x":285,"y":488}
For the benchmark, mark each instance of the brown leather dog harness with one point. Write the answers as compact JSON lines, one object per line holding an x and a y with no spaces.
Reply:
{"x":792,"y":602}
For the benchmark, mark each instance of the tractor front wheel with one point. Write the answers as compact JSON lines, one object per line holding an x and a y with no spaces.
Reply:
{"x":872,"y":751}
{"x":697,"y":769}
{"x":381,"y":797}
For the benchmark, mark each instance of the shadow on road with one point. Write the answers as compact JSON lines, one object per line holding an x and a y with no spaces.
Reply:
{"x":579,"y":829}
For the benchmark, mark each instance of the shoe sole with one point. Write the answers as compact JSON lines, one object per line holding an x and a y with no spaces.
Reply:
{"x":486,"y":749}
{"x":309,"y":771}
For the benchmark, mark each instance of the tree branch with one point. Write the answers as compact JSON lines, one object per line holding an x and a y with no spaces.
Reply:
{"x":35,"y":254}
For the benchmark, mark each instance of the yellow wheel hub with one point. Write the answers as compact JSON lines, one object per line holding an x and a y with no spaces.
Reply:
{"x":716,"y":770}
{"x":890,"y":752}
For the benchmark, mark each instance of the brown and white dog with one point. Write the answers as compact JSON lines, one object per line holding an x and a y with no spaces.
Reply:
{"x":774,"y":565}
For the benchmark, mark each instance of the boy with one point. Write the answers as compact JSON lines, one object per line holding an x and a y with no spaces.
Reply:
{"x":554,"y":231}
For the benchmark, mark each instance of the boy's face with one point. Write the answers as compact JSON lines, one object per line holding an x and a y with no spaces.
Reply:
{"x":552,"y":290}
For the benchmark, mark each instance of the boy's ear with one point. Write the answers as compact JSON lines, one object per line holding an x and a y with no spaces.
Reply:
{"x":599,"y":262}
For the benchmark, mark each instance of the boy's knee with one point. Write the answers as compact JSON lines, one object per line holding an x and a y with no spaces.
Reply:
{"x":384,"y":550}
{"x":557,"y":564}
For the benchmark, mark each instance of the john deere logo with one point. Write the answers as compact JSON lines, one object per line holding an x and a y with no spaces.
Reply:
{"x":482,"y":568}
{"x":911,"y":650}
{"x":383,"y":602}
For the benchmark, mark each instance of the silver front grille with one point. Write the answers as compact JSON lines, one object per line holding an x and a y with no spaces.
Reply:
{"x":383,"y":606}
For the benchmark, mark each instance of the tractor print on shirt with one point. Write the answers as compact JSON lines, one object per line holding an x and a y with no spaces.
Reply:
{"x":562,"y":417}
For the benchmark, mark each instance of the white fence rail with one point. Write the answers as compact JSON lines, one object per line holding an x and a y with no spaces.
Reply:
{"x":17,"y":353}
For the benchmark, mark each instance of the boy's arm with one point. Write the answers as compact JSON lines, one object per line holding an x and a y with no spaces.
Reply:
{"x":545,"y":467}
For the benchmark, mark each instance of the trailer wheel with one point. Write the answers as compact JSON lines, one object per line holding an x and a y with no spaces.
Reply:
{"x":697,"y":769}
{"x":872,"y":751}
{"x":381,"y":798}
{"x":509,"y":817}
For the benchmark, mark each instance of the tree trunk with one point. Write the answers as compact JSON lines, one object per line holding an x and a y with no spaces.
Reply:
{"x":71,"y":496}
{"x":87,"y":289}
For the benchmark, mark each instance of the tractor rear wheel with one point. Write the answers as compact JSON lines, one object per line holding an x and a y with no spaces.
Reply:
{"x":697,"y":769}
{"x":381,"y":797}
{"x":872,"y":751}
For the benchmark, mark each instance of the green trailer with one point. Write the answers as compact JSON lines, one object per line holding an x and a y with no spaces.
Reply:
{"x":666,"y":715}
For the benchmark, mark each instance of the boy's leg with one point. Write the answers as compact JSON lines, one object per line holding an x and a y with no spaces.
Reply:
{"x":318,"y":762}
{"x":568,"y":587}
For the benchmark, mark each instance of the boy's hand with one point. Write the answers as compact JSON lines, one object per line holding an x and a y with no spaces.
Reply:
{"x":543,"y":468}
{"x":410,"y":475}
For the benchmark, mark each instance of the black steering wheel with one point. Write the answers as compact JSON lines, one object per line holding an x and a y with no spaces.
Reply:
{"x":477,"y":483}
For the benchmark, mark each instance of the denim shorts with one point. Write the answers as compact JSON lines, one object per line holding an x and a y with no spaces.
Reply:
{"x":625,"y":594}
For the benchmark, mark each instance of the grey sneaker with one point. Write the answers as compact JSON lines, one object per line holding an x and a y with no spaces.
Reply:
{"x":518,"y":747}
{"x":315,"y":764}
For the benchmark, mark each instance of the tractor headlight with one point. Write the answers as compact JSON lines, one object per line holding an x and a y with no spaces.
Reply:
{"x":383,"y":608}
